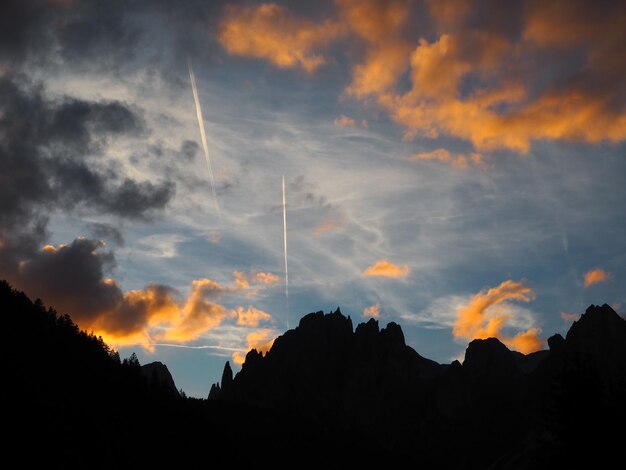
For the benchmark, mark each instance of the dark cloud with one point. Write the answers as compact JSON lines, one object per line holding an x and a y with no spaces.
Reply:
{"x":105,"y":231}
{"x":109,"y":36}
{"x":76,"y":30}
{"x":50,"y":156}
{"x":304,"y":192}
{"x":73,"y":279}
{"x":189,"y":149}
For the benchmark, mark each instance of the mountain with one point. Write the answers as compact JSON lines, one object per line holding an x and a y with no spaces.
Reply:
{"x":326,"y":392}
{"x":499,"y":407}
{"x":70,"y":402}
{"x":159,"y":376}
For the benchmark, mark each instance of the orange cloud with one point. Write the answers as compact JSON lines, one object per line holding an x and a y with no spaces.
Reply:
{"x":345,"y":121}
{"x":505,"y":107}
{"x":595,"y":276}
{"x":380,"y":24}
{"x":198,"y":315}
{"x":525,"y":342}
{"x":241,"y":280}
{"x":457,"y":160}
{"x":487,"y":313}
{"x":384,"y":268}
{"x":372,"y":311}
{"x":480,"y":78}
{"x":244,"y":281}
{"x":327,"y":226}
{"x":269,"y":31}
{"x":154,"y":314}
{"x":250,"y":317}
{"x":265,"y":278}
{"x":261,"y":340}
{"x":570,"y":317}
{"x":381,"y":69}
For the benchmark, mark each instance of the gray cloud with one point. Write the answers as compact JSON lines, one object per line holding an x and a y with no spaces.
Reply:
{"x":107,"y":232}
{"x":51,"y":157}
{"x":36,"y":30}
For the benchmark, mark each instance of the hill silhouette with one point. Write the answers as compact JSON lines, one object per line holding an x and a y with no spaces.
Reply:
{"x":325,"y":394}
{"x":498,"y":409}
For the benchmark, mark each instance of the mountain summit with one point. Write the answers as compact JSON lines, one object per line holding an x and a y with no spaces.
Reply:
{"x":326,"y":392}
{"x":367,"y":380}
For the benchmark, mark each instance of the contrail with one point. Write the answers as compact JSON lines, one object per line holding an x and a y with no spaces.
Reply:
{"x":285,"y":247}
{"x":205,"y":147}
{"x":171,"y":345}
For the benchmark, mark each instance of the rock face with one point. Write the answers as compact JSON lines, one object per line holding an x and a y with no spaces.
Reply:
{"x":596,"y":347}
{"x":327,"y":371}
{"x":368,"y":380}
{"x":159,"y":374}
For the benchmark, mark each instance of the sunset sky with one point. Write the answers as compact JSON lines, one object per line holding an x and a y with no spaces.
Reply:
{"x":455,"y":166}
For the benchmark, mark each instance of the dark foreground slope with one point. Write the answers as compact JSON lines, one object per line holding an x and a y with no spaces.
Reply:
{"x":325,"y":394}
{"x":69,"y":402}
{"x":499,"y":409}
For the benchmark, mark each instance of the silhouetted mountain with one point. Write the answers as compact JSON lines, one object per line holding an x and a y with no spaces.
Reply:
{"x":499,"y":407}
{"x":325,"y":394}
{"x":69,"y":402}
{"x":159,"y":376}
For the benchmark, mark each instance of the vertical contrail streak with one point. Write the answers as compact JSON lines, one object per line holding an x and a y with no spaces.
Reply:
{"x":205,"y":147}
{"x":285,"y":247}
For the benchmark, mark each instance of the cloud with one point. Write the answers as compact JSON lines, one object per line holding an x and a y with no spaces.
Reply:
{"x":498,"y":81}
{"x":261,"y":340}
{"x":380,"y":25}
{"x":72,"y":278}
{"x":456,"y":160}
{"x":250,"y":316}
{"x":73,"y":31}
{"x":372,"y":311}
{"x":245,"y":281}
{"x":106,"y":232}
{"x":345,"y":121}
{"x":596,"y":276}
{"x":327,"y":226}
{"x":269,"y":31}
{"x":50,"y":154}
{"x":487,"y":314}
{"x":241,"y":280}
{"x":480,"y":82}
{"x":265,"y":278}
{"x":214,"y":236}
{"x":569,"y":317}
{"x":199,"y":314}
{"x":384,"y":268}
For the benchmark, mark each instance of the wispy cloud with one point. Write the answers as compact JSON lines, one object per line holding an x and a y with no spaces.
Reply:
{"x":385,"y":268}
{"x":508,"y":103}
{"x":372,"y":311}
{"x":261,"y":340}
{"x":569,"y":317}
{"x":250,"y":316}
{"x":326,"y":226}
{"x":270,"y":31}
{"x":595,"y":276}
{"x":345,"y":121}
{"x":486,"y":315}
{"x":458,"y":160}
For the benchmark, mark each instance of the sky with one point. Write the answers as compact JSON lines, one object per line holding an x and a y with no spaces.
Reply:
{"x":454,"y":166}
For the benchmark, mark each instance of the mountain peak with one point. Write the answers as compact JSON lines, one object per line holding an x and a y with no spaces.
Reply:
{"x":596,"y":342}
{"x":489,"y":358}
{"x":159,"y":374}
